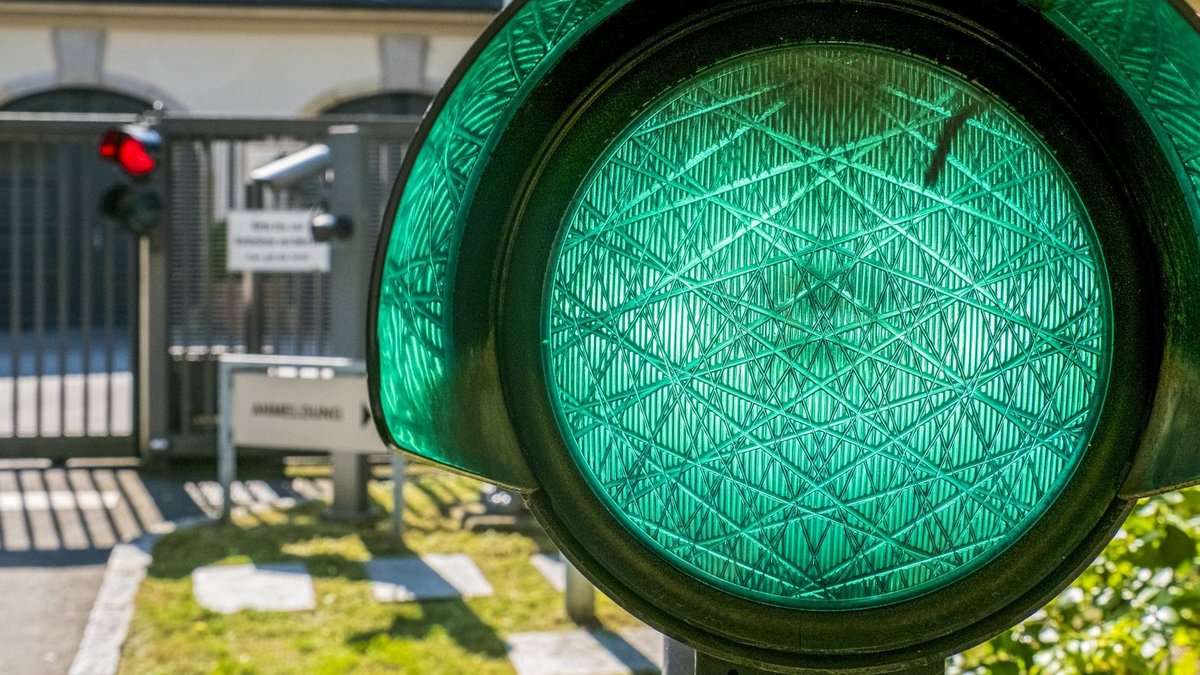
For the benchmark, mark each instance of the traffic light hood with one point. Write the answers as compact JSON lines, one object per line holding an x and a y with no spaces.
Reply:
{"x":429,"y":399}
{"x":798,"y":319}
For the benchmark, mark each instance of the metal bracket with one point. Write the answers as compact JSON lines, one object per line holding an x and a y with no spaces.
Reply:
{"x":680,"y":659}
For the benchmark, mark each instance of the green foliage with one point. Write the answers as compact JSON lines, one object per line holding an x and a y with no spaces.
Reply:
{"x":1135,"y":610}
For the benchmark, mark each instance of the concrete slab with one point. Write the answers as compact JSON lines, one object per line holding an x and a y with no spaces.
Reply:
{"x":265,"y":588}
{"x":579,"y":652}
{"x":554,"y":568}
{"x":429,"y":577}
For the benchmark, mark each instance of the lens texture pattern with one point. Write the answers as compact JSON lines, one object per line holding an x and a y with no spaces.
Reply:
{"x":827,"y":327}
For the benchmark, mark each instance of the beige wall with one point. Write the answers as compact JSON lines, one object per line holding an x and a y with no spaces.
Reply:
{"x":26,"y":58}
{"x":445,"y":53}
{"x":243,"y":74}
{"x":228,"y":61}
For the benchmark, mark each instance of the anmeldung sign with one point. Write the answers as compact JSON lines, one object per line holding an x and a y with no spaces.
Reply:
{"x":298,"y":413}
{"x":274,"y":241}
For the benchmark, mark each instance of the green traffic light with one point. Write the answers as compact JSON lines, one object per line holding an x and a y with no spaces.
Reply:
{"x":828,"y":327}
{"x":816,"y":333}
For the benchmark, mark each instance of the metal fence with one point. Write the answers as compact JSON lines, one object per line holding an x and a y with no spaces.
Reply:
{"x":67,"y":297}
{"x":109,"y":345}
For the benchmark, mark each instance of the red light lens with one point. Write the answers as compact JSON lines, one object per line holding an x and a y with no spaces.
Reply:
{"x":133,"y":157}
{"x":109,"y":144}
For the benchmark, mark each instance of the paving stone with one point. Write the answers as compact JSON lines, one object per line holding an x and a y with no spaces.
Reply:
{"x":580,"y":652}
{"x":428,"y":577}
{"x":554,"y":568}
{"x":266,"y":588}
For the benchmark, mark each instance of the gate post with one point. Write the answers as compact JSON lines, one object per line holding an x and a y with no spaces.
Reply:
{"x":152,"y":359}
{"x":350,"y":273}
{"x":349,"y":278}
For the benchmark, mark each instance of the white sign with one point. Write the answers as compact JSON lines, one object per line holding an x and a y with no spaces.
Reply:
{"x":274,"y":241}
{"x":297,"y":413}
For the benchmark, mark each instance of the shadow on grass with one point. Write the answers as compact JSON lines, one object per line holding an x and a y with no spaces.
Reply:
{"x":278,"y":538}
{"x":453,"y":617}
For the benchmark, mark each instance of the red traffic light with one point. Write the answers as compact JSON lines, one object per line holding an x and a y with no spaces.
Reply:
{"x":134,"y":148}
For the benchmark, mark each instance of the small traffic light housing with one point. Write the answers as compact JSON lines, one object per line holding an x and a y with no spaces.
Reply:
{"x":135,"y":148}
{"x":822,"y":336}
{"x":137,"y":208}
{"x":137,"y":205}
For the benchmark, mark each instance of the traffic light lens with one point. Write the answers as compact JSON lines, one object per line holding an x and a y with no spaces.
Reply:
{"x":133,"y":157}
{"x":109,"y":144}
{"x":828,"y":327}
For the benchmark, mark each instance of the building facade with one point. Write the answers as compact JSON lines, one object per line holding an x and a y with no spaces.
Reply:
{"x":241,"y":58}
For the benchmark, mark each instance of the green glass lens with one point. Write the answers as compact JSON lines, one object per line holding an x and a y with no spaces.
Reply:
{"x":828,"y":327}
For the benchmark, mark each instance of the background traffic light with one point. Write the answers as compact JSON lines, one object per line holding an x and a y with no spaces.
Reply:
{"x":135,"y":204}
{"x":819,"y":335}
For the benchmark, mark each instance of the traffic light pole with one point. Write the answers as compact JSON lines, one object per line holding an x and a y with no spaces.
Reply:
{"x":680,"y":659}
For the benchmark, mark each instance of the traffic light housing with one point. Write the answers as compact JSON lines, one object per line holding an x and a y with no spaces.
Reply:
{"x":818,"y":334}
{"x":135,"y":204}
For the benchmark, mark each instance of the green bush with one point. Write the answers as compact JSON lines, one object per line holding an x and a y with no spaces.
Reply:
{"x":1135,"y":610}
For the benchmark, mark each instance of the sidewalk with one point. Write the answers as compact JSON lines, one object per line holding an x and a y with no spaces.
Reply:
{"x":58,"y":527}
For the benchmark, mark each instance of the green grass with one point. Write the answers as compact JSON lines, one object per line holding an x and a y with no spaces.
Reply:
{"x":348,"y":631}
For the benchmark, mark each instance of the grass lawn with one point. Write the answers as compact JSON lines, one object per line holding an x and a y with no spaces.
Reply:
{"x":348,"y":631}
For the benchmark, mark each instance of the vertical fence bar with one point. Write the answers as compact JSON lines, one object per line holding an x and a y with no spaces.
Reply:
{"x":234,"y":335}
{"x":137,"y":257}
{"x":183,"y":273}
{"x":207,"y":275}
{"x":299,"y":310}
{"x":14,"y":270}
{"x":87,"y":234}
{"x":39,"y":282}
{"x":110,"y":307}
{"x":62,"y":282}
{"x":321,"y":288}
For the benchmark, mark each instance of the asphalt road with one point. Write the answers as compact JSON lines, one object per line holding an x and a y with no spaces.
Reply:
{"x":46,"y":600}
{"x":57,"y":528}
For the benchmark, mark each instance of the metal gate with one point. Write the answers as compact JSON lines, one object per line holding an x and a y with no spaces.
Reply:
{"x":68,"y":297}
{"x":212,"y":311}
{"x":109,"y":345}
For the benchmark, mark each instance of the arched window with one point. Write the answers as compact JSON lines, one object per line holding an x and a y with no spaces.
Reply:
{"x":78,"y":100}
{"x":383,"y":103}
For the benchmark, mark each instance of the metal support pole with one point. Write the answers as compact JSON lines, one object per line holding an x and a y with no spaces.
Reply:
{"x":581,"y":597}
{"x":399,"y":472}
{"x":349,"y":282}
{"x":351,"y":471}
{"x":680,"y":659}
{"x":152,"y":359}
{"x":226,"y":456}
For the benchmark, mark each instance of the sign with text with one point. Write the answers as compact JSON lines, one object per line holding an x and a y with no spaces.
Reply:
{"x":274,"y":241}
{"x":297,"y":413}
